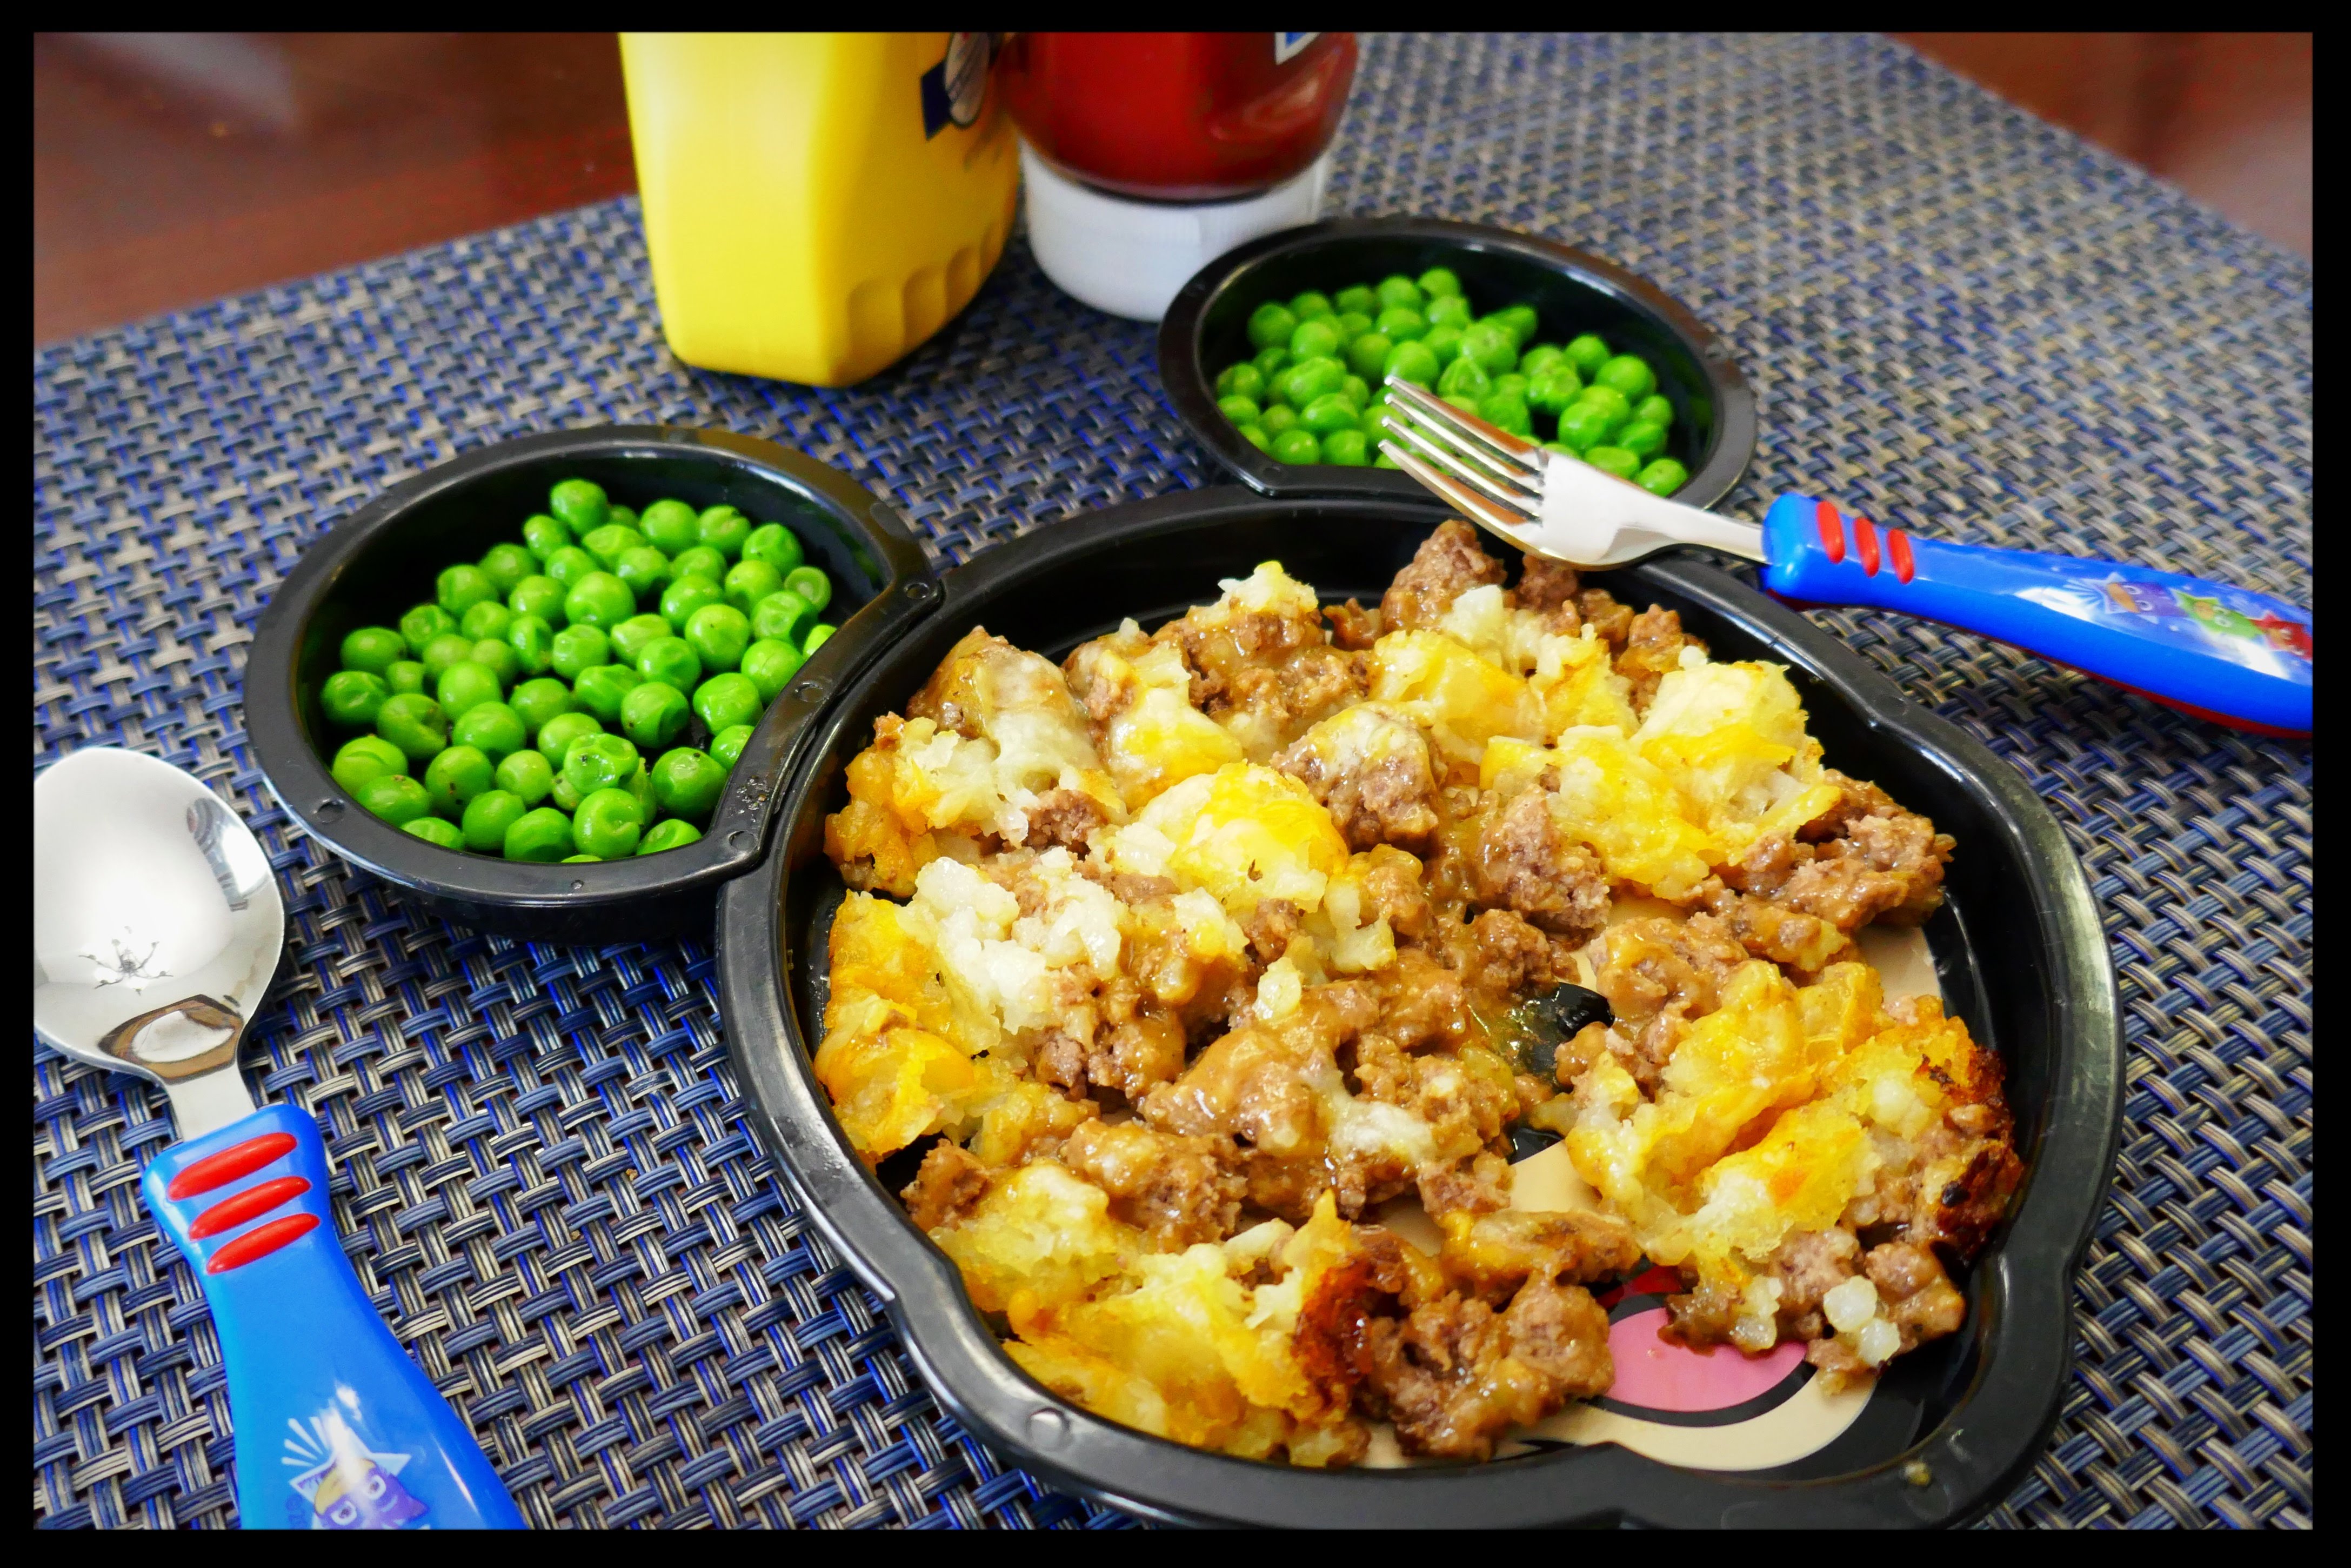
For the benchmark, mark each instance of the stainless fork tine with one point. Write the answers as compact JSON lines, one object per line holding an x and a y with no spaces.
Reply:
{"x":1467,"y":502}
{"x":1405,"y":441}
{"x":1518,"y":460}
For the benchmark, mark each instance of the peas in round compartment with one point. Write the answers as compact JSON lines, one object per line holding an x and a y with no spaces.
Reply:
{"x":1256,"y":437}
{"x":373,"y":650}
{"x":533,"y":642}
{"x":1465,"y":377}
{"x":669,"y":833}
{"x":1373,"y":423}
{"x":726,"y":699}
{"x":1489,"y":345}
{"x":1522,"y":322}
{"x":1619,"y":408}
{"x":670,"y":526}
{"x":686,"y":595}
{"x":578,"y":648}
{"x":543,"y":536}
{"x":569,"y":564}
{"x":433,"y":831}
{"x":1359,"y":301}
{"x":1445,"y":344}
{"x":488,"y":618}
{"x":1612,"y":460}
{"x":1368,"y":355}
{"x":811,"y":584}
{"x":1554,"y":389}
{"x":459,"y":588}
{"x":494,"y":729}
{"x":607,"y":543}
{"x":506,"y":564}
{"x":395,"y":797}
{"x":406,"y":675}
{"x":350,"y":697}
{"x":465,"y":686}
{"x":542,"y":833}
{"x":1239,"y":410}
{"x":1399,"y":292}
{"x":537,"y":701}
{"x":1462,"y":401}
{"x":1346,"y":448}
{"x":644,"y":568}
{"x":598,"y":600}
{"x":501,"y":661}
{"x":1440,"y":281}
{"x":594,"y":762}
{"x":654,"y":714}
{"x":1414,"y":362}
{"x":1448,"y":310}
{"x":1351,"y":325}
{"x":1534,"y":361}
{"x":601,"y":691}
{"x":724,"y":529}
{"x":1505,"y":408}
{"x":726,"y":747}
{"x":565,"y":796}
{"x":1311,"y":304}
{"x":366,"y":757}
{"x":415,"y":724}
{"x":1662,"y":478}
{"x":1587,"y":353}
{"x":1585,"y":425}
{"x":719,"y":633}
{"x":1357,"y":391}
{"x":1271,"y":362}
{"x":770,"y":664}
{"x":455,"y":777}
{"x":1654,"y":410}
{"x":1328,"y":413}
{"x":630,"y":637}
{"x":447,"y":649}
{"x":641,"y":789}
{"x":1296,"y":445}
{"x":1278,"y":418}
{"x":687,"y":782}
{"x":539,"y":596}
{"x":487,"y":817}
{"x":579,"y":503}
{"x":818,"y":636}
{"x":560,"y":734}
{"x":1271,"y":325}
{"x":424,"y":623}
{"x":606,"y":825}
{"x":1629,"y":375}
{"x":1641,"y":439}
{"x":671,"y":660}
{"x":1510,"y":380}
{"x":1401,"y":324}
{"x":1241,"y":379}
{"x":1308,"y":379}
{"x":526,"y":776}
{"x":1314,"y":340}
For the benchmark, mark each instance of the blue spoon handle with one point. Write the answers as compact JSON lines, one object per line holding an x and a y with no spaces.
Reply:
{"x":336,"y":1428}
{"x":2239,"y":658}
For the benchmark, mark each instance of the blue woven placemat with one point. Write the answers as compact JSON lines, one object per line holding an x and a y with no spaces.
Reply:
{"x":1958,"y":318}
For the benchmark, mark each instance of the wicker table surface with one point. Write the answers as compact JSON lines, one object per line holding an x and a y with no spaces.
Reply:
{"x":1958,"y":320}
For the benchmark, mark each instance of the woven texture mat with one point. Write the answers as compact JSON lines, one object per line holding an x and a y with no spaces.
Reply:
{"x":1958,"y":320}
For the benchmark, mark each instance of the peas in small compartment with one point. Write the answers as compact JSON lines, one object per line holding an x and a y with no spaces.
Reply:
{"x":465,"y":686}
{"x":406,"y":675}
{"x":654,"y":714}
{"x":560,"y":734}
{"x":1327,"y":414}
{"x":1308,"y":379}
{"x":1505,"y":408}
{"x":689,"y":782}
{"x":1401,"y":324}
{"x":1465,"y":377}
{"x":1511,"y":381}
{"x":620,"y":514}
{"x":1314,"y":340}
{"x":424,"y":623}
{"x":1612,"y":460}
{"x":1311,"y":304}
{"x":460,"y":588}
{"x":1357,"y":300}
{"x":351,"y":698}
{"x":1541,"y":357}
{"x":579,"y":503}
{"x":719,"y":633}
{"x":1373,"y":423}
{"x":1444,"y":343}
{"x":671,"y":660}
{"x":494,"y":729}
{"x":726,"y":749}
{"x":1278,"y":418}
{"x":770,"y":664}
{"x":670,"y":526}
{"x":606,"y":825}
{"x":565,"y":797}
{"x":682,"y":598}
{"x":1256,"y":437}
{"x":526,"y":776}
{"x":602,"y":690}
{"x":1448,"y":310}
{"x":1271,"y":362}
{"x":1346,"y":448}
{"x":1241,"y":379}
{"x":608,"y":543}
{"x":366,"y":757}
{"x":1489,"y":345}
{"x":1654,"y":410}
{"x":569,"y":564}
{"x":1641,"y":439}
{"x":669,"y":833}
{"x":1521,"y":321}
{"x":1438,"y":282}
{"x":630,"y":637}
{"x":539,"y":596}
{"x":1662,"y":478}
{"x":542,"y":833}
{"x":433,"y":831}
{"x":1617,"y":406}
{"x":537,"y":701}
{"x":543,"y":536}
{"x":1585,"y":425}
{"x":727,"y":699}
{"x":578,"y":648}
{"x":1351,"y":326}
{"x":533,"y":642}
{"x":644,"y":568}
{"x":641,"y":789}
{"x":1414,"y":362}
{"x":1239,"y":410}
{"x":582,"y":859}
{"x":1297,"y":446}
{"x":748,"y":581}
{"x":487,"y":817}
{"x":455,"y":777}
{"x":1553,"y":389}
{"x":818,"y":636}
{"x":1587,"y":353}
{"x":1462,"y":401}
{"x":600,"y":599}
{"x":395,"y":797}
{"x":447,"y":649}
{"x":724,"y":529}
{"x":596,"y":762}
{"x":506,"y":565}
{"x":1399,"y":292}
{"x":1629,"y":375}
{"x":1357,"y":391}
{"x":373,"y":650}
{"x":488,"y":618}
{"x":415,"y":724}
{"x":1368,"y":355}
{"x":1271,"y":325}
{"x":501,"y":661}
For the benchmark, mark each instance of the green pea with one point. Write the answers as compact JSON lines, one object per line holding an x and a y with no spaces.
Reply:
{"x":1629,"y":375}
{"x":1641,"y":439}
{"x":1401,"y":324}
{"x":596,"y":762}
{"x":608,"y":543}
{"x":670,"y":526}
{"x":533,"y":643}
{"x":455,"y":777}
{"x":748,"y":581}
{"x":1445,"y":342}
{"x":1346,"y":448}
{"x":373,"y":649}
{"x":1463,"y":402}
{"x":1399,"y":292}
{"x":506,"y":565}
{"x":1351,"y":325}
{"x":600,"y":599}
{"x":1305,"y":381}
{"x":557,"y":735}
{"x":487,"y":816}
{"x":776,"y":545}
{"x":1522,"y":321}
{"x":782,"y":614}
{"x":541,"y":834}
{"x":671,"y":660}
{"x":1618,"y":408}
{"x":1359,"y":301}
{"x":1440,"y":281}
{"x":424,"y":623}
{"x":1465,"y":377}
{"x":1310,"y":305}
{"x":539,"y":596}
{"x":1541,"y":357}
{"x":1662,"y":478}
{"x":669,"y":833}
{"x":1414,"y":362}
{"x":565,"y":796}
{"x":644,"y":568}
{"x":1325,"y":414}
{"x":630,"y":637}
{"x":535,"y":702}
{"x":460,"y":588}
{"x":1271,"y":325}
{"x":1237,"y":408}
{"x":366,"y":757}
{"x":433,"y":831}
{"x":605,"y":825}
{"x":406,"y":675}
{"x":578,"y":648}
{"x":569,"y":564}
{"x":818,"y":636}
{"x":1256,"y":437}
{"x":1491,"y":345}
{"x":579,"y":503}
{"x":1505,"y":408}
{"x":1563,"y":449}
{"x":526,"y":776}
{"x":1357,"y":391}
{"x":1554,"y":389}
{"x":1278,"y":418}
{"x":699,"y":561}
{"x":601,"y":691}
{"x":395,"y":797}
{"x":689,"y":782}
{"x":1297,"y":446}
{"x":1654,"y":410}
{"x":719,"y":635}
{"x":726,"y":699}
{"x":1242,"y":380}
{"x":1585,"y":425}
{"x":582,"y":859}
{"x":770,"y":664}
{"x":1587,"y":354}
{"x":351,"y":698}
{"x":415,"y":724}
{"x":655,"y":713}
{"x":465,"y":686}
{"x":447,"y":649}
{"x":494,"y":729}
{"x":811,"y":584}
{"x":1368,"y":355}
{"x":543,"y":536}
{"x":684,"y":595}
{"x":641,"y":789}
{"x":1385,"y":461}
{"x":1270,"y":362}
{"x":500,"y":660}
{"x":724,"y":529}
{"x":726,"y":749}
{"x":1314,"y":340}
{"x":1373,"y":423}
{"x":1448,"y":310}
{"x":1612,"y":460}
{"x":488,"y":618}
{"x":1513,"y":382}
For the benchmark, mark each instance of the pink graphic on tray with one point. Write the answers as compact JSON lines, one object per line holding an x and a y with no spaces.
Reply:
{"x":1657,"y":1375}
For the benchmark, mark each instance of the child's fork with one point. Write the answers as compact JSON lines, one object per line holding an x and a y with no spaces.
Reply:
{"x":2224,"y":653}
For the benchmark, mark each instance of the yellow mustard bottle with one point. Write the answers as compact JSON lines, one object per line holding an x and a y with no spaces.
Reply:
{"x":816,"y":204}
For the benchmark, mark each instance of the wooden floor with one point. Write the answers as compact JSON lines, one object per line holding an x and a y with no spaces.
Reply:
{"x":169,"y":169}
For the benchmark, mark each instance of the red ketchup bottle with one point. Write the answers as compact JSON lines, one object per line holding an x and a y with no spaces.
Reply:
{"x":1147,"y":155}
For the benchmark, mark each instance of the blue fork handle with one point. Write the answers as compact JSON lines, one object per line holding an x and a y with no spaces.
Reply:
{"x":2222,"y":653}
{"x":336,"y":1428}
